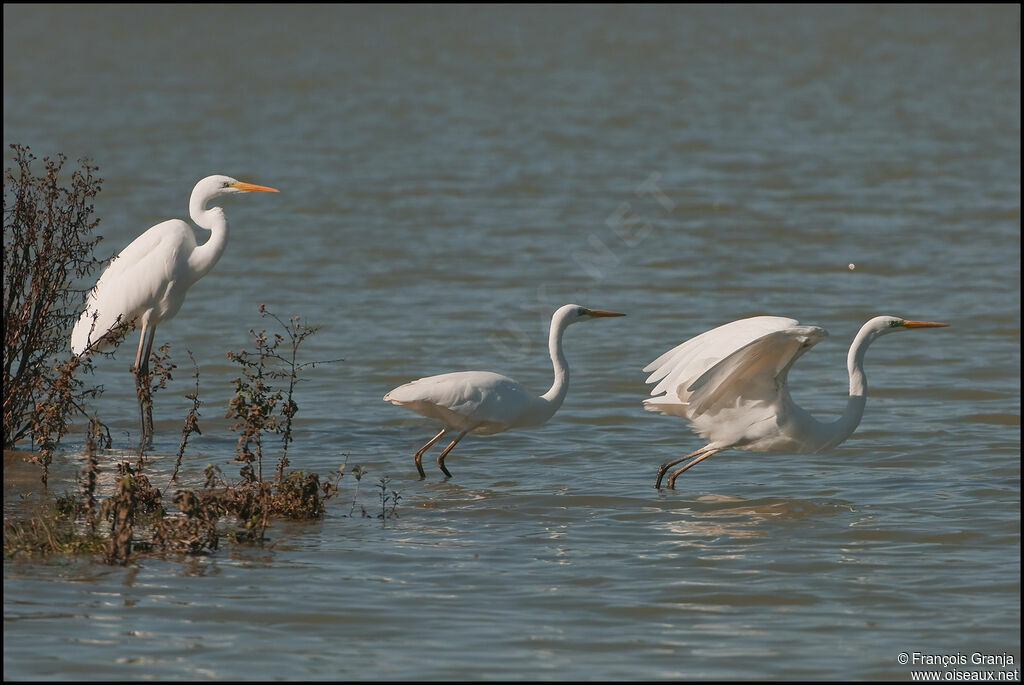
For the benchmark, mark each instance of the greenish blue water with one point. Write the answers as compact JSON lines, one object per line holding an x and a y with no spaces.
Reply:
{"x":449,"y":176}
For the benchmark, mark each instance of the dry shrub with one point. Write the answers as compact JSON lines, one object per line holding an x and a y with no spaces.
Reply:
{"x":49,"y":244}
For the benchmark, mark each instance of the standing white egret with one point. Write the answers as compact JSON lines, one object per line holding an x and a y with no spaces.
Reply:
{"x":146,"y":283}
{"x":487,"y":403}
{"x":730,"y":382}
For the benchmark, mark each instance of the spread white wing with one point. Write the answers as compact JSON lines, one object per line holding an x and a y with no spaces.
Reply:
{"x":678,"y":368}
{"x":730,"y":382}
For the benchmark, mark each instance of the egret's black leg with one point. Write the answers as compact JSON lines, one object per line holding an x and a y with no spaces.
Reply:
{"x":672,"y":462}
{"x":690,"y":464}
{"x":419,"y":455}
{"x":141,"y":370}
{"x":440,"y":457}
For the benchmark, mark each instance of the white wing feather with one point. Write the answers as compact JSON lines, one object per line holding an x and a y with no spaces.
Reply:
{"x":138,"y":279}
{"x":755,"y":373}
{"x":731,"y":381}
{"x":683,"y":364}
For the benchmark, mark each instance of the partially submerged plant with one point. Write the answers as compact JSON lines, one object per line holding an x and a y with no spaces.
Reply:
{"x":152,"y":377}
{"x":191,"y":421}
{"x":385,"y":499}
{"x":253,"y":405}
{"x":357,"y":472}
{"x":134,"y":499}
{"x":259,"y":407}
{"x":49,"y":243}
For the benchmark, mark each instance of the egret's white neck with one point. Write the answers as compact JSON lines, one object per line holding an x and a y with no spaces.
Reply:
{"x":206,"y":255}
{"x":556,"y":395}
{"x":855,"y":359}
{"x":858,"y":399}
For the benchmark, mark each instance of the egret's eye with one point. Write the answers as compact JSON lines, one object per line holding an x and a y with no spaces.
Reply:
{"x":896,"y":323}
{"x":581,"y":311}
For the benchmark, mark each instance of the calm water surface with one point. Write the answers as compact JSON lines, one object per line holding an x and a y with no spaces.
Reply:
{"x":448,"y":177}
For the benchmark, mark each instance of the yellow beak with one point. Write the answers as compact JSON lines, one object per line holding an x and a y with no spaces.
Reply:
{"x":252,"y":187}
{"x":601,"y":312}
{"x":925,"y":324}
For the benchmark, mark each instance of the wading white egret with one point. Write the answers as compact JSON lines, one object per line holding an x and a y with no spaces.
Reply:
{"x":146,"y":283}
{"x":730,"y":383}
{"x":487,"y":403}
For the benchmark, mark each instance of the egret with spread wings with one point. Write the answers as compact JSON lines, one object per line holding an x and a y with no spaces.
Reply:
{"x":730,"y":383}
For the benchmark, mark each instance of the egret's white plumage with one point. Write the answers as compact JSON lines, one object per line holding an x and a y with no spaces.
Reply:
{"x":146,"y":282}
{"x":480,"y":402}
{"x":485,"y":403}
{"x":730,"y":383}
